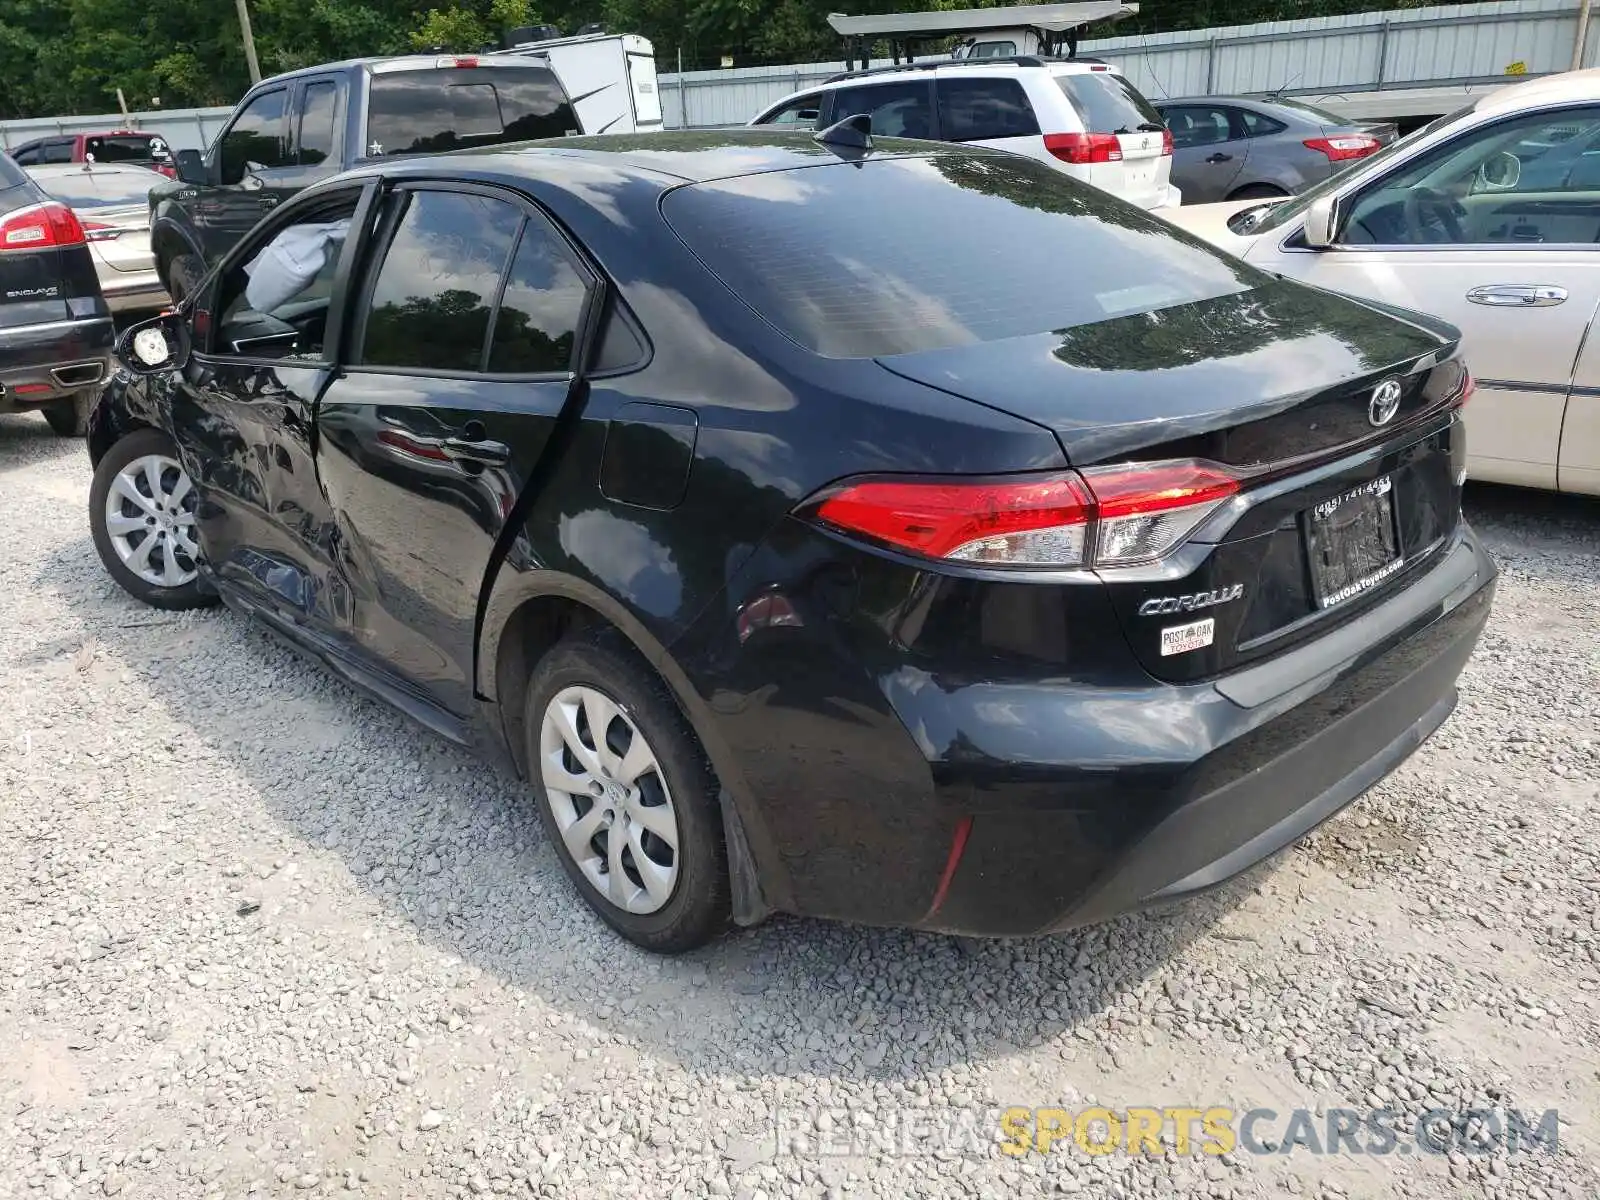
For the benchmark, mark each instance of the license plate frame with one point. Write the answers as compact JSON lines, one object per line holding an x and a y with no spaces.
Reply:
{"x":1353,"y":542}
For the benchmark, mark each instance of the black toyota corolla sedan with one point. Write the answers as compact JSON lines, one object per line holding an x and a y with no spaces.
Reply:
{"x":897,"y":533}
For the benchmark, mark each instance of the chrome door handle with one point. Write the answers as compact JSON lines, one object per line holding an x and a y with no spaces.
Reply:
{"x":1511,"y":295}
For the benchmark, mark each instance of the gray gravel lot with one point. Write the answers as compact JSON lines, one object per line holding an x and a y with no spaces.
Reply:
{"x":259,"y":935}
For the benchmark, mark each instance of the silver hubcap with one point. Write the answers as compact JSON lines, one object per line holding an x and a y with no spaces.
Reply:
{"x":150,"y":520}
{"x":610,"y":800}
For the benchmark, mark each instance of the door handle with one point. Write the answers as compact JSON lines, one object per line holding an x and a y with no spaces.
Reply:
{"x":1220,"y":157}
{"x":1511,"y":295}
{"x":478,"y":450}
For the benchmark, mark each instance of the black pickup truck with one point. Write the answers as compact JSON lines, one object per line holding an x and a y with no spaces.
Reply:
{"x":295,"y":129}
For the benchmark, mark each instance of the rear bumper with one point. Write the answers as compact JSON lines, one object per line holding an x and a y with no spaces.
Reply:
{"x":964,"y":802}
{"x":1294,"y":744}
{"x":40,"y":364}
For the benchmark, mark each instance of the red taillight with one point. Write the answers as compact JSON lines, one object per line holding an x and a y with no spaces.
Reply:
{"x":466,"y":62}
{"x":1345,"y":147}
{"x":41,"y":227}
{"x":1081,"y":149}
{"x":1105,"y":516}
{"x":1468,"y":386}
{"x":1166,"y":141}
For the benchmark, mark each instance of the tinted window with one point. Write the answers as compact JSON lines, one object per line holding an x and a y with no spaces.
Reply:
{"x":537,"y":324}
{"x":127,"y":147}
{"x":11,"y":174}
{"x":1054,"y":253}
{"x":255,"y":140}
{"x":1107,"y":103}
{"x":25,"y":155}
{"x":1198,"y":126}
{"x":58,"y":151}
{"x":315,"y":143}
{"x":430,"y":111}
{"x":993,"y":50}
{"x":802,"y":113}
{"x":1259,"y":124}
{"x":897,"y":109}
{"x":434,"y":292}
{"x":974,"y":109}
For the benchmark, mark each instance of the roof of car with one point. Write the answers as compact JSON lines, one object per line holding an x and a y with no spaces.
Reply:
{"x":1550,"y":89}
{"x":693,"y":156}
{"x":407,"y":62}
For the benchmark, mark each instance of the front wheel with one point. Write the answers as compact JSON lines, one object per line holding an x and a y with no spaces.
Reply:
{"x":69,"y":417}
{"x":141,"y":512}
{"x":626,"y":796}
{"x":182,"y":275}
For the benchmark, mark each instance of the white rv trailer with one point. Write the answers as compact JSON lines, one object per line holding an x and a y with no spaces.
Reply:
{"x":610,"y":77}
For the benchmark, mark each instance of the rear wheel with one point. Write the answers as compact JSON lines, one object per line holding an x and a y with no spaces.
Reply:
{"x":69,"y":417}
{"x":626,"y":795}
{"x":1259,"y":191}
{"x":141,"y":512}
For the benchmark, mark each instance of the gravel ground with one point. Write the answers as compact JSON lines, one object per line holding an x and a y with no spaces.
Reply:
{"x":259,"y":935}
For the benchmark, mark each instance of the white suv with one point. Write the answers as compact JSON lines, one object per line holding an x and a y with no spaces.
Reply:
{"x":1080,"y":116}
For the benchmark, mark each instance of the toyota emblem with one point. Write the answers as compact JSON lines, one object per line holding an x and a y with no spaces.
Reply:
{"x":1385,"y":402}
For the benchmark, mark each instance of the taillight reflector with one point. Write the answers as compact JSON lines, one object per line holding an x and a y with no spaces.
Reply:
{"x":1166,"y":142}
{"x":1082,"y":149}
{"x":1105,"y":516}
{"x":1345,"y":147}
{"x":41,"y":227}
{"x":97,"y":231}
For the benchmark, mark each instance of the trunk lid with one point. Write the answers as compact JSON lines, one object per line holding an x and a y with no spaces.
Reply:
{"x":124,"y":241}
{"x":1281,"y":383}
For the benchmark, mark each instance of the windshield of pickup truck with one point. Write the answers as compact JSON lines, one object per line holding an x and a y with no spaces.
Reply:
{"x":435,"y":109}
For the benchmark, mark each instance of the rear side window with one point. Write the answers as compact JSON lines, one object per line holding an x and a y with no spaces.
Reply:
{"x":973,"y":110}
{"x":432,"y":111}
{"x":435,"y":290}
{"x":1259,"y":124}
{"x":896,"y":109}
{"x":1055,"y":253}
{"x":536,"y":326}
{"x":314,"y":143}
{"x":58,"y":151}
{"x":1107,"y":103}
{"x":11,"y":174}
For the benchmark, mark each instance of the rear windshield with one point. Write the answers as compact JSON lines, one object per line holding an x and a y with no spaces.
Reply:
{"x":817,"y":253}
{"x":1321,"y":114}
{"x":433,"y":110}
{"x":127,"y":147}
{"x":84,"y":189}
{"x":1108,"y":103}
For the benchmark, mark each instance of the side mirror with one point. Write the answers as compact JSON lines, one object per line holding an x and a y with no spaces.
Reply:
{"x":191,"y":167}
{"x":156,"y":345}
{"x":1322,"y":217}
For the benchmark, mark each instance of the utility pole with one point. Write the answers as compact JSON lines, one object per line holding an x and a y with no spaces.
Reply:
{"x":1583,"y":35}
{"x":249,"y":42}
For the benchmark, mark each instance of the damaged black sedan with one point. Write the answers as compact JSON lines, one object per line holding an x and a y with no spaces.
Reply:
{"x":805,"y":551}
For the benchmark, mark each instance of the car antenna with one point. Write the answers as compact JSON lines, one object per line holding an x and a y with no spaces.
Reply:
{"x":854,"y":132}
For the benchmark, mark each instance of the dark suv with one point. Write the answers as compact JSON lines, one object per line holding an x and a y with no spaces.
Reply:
{"x":296,"y":129}
{"x":55,"y":328}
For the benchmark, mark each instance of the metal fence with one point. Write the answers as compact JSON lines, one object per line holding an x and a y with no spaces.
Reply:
{"x":1450,"y":46}
{"x":1446,"y":46}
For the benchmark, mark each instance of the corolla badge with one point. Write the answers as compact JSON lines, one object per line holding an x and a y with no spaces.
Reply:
{"x":1385,"y":403}
{"x":1194,"y":602}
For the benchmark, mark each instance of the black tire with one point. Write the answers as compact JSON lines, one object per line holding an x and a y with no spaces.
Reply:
{"x":1259,"y":191}
{"x":141,"y":442}
{"x":700,"y":907}
{"x":70,"y":417}
{"x":182,"y":274}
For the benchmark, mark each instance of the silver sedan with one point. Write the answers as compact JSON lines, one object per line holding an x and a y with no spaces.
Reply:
{"x":112,"y":201}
